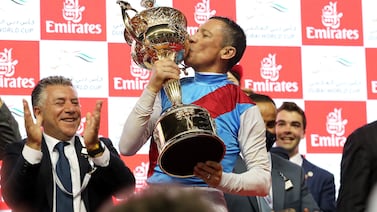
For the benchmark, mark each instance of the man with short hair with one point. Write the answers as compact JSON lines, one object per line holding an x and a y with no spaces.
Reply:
{"x":54,"y":169}
{"x":290,"y":129}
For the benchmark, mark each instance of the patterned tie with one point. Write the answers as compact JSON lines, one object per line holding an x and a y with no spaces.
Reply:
{"x":64,"y":201}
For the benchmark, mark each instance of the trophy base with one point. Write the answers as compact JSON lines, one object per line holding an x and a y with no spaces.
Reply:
{"x":179,"y":158}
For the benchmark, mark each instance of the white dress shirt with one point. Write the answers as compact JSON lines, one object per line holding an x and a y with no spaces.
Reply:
{"x":34,"y":156}
{"x":296,"y":159}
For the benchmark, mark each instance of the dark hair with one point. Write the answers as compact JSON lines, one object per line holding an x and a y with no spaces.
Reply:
{"x":293,"y":107}
{"x":234,"y":36}
{"x":257,"y":97}
{"x":38,"y":91}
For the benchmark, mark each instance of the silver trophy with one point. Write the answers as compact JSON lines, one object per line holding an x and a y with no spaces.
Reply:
{"x":156,"y":33}
{"x":185,"y":134}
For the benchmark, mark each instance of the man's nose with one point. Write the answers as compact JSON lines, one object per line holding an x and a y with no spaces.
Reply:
{"x":192,"y":38}
{"x":69,"y":107}
{"x":287,"y":128}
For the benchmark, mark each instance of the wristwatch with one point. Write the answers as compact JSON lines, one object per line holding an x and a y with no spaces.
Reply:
{"x":96,"y":151}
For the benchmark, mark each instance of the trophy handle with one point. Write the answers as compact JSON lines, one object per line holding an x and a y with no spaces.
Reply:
{"x":129,"y":32}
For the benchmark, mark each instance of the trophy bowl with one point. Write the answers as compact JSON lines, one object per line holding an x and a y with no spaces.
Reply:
{"x":155,"y":33}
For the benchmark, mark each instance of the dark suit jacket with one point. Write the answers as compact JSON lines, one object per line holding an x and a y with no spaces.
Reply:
{"x":298,"y":197}
{"x":358,"y":173}
{"x":321,"y":185}
{"x":9,"y":131}
{"x":27,"y":187}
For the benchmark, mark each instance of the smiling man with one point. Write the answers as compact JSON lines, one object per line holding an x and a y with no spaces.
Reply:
{"x":55,"y":169}
{"x":290,"y":129}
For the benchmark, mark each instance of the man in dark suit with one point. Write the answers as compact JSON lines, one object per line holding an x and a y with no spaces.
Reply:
{"x":29,"y":179}
{"x":358,"y":173}
{"x":289,"y":190}
{"x":9,"y":131}
{"x":321,"y":185}
{"x":290,"y":129}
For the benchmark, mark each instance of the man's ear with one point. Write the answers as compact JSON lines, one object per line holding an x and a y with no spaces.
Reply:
{"x":228,"y":52}
{"x":36,"y":111}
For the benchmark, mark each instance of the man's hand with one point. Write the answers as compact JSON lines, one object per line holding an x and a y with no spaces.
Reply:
{"x":33,"y":130}
{"x":92,"y":127}
{"x":210,"y":171}
{"x":162,"y":71}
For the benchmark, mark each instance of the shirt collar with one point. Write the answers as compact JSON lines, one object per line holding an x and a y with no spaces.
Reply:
{"x":210,"y":77}
{"x":297,"y":159}
{"x":51,"y":142}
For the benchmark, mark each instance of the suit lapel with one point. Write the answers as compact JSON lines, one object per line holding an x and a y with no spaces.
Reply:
{"x":84,"y":168}
{"x":83,"y":160}
{"x":278,"y":191}
{"x":46,"y":173}
{"x":309,"y":171}
{"x":253,"y":203}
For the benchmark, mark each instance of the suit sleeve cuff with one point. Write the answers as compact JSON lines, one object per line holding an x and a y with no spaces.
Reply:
{"x":104,"y":159}
{"x":31,"y":155}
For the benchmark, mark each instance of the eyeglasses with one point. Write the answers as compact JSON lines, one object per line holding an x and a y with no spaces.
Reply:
{"x":270,"y":124}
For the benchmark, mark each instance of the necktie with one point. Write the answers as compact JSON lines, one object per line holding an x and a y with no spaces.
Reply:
{"x":64,"y":201}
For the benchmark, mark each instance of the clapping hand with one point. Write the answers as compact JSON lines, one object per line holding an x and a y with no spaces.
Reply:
{"x":92,"y":126}
{"x":33,"y":130}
